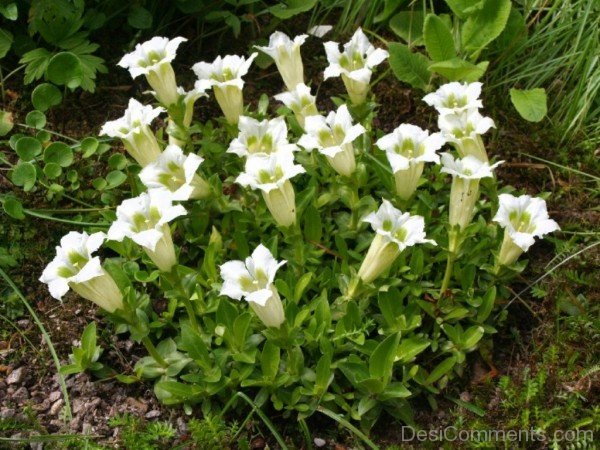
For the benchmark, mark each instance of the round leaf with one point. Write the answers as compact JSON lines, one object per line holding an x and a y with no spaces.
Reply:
{"x":139,"y":17}
{"x":89,"y":146}
{"x":13,"y":208}
{"x":36,"y":119}
{"x":99,"y":183}
{"x":59,"y":153}
{"x":6,"y":123}
{"x":45,"y":96}
{"x":531,"y":104}
{"x":43,"y":136}
{"x":72,"y":176}
{"x":117,"y":161}
{"x":28,"y":148}
{"x":65,"y":69}
{"x":52,"y":170}
{"x":24,"y":175}
{"x":115,"y":178}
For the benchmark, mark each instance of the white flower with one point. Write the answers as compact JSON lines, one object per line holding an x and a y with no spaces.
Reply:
{"x":355,"y":64}
{"x":145,"y":220}
{"x":153,"y":59}
{"x":224,"y":76}
{"x":455,"y":97}
{"x":261,"y":137}
{"x":74,"y":267}
{"x":333,"y":137}
{"x":174,"y":173}
{"x":134,"y":130}
{"x":252,"y":280}
{"x":523,"y":218}
{"x":466,"y":173}
{"x":286,"y":54}
{"x":300,"y":101}
{"x":271,"y":174}
{"x":407,"y":148}
{"x":189,"y":99}
{"x":320,"y":30}
{"x":395,"y":231}
{"x":464,"y":130}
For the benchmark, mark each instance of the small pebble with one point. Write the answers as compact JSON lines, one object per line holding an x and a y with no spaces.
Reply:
{"x":16,"y":376}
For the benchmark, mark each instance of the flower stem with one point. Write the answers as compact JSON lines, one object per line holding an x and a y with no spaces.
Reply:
{"x":154,"y":352}
{"x":187,"y":303}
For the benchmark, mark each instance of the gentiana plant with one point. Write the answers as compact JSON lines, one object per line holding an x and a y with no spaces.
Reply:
{"x":354,"y":277}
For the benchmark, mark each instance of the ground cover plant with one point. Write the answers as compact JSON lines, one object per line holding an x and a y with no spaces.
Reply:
{"x":286,"y":252}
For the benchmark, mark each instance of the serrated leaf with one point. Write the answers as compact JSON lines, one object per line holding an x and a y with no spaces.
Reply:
{"x":408,"y":25}
{"x":438,"y":39}
{"x":37,"y":61}
{"x":485,"y":25}
{"x":530,"y":104}
{"x":408,"y":66}
{"x":462,"y":8}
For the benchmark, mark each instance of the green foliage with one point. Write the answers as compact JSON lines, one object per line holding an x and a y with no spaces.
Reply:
{"x":138,"y":434}
{"x":531,"y":104}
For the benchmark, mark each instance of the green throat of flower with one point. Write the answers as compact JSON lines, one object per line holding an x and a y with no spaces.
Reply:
{"x":77,"y":260}
{"x":521,"y":222}
{"x":152,"y":58}
{"x":174,"y":178}
{"x":142,"y":222}
{"x":352,"y":62}
{"x":260,"y":144}
{"x":265,"y":177}
{"x":455,"y":102}
{"x":259,"y":281}
{"x":408,"y":149}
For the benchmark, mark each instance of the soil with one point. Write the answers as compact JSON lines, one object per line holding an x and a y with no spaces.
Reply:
{"x":27,"y":376}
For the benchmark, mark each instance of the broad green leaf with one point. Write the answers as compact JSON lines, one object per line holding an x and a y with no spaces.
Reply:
{"x":323,"y":373}
{"x":28,"y":148}
{"x":45,"y":96}
{"x":6,"y":40}
{"x":9,"y":10}
{"x":487,"y":305}
{"x":36,"y":119}
{"x":139,"y":17}
{"x":485,"y":25}
{"x":13,"y":208}
{"x":409,"y":348}
{"x":88,"y":340}
{"x":269,"y":360}
{"x":313,"y":228}
{"x":531,"y":104}
{"x":65,"y":69}
{"x":440,"y":370}
{"x":382,"y":358}
{"x":438,"y":39}
{"x":115,"y":178}
{"x":24,"y":175}
{"x":514,"y":32}
{"x":52,"y":170}
{"x":462,"y":8}
{"x":89,"y":146}
{"x":301,"y":286}
{"x":408,"y":66}
{"x":457,"y":69}
{"x":117,"y":161}
{"x":408,"y":25}
{"x":59,"y":153}
{"x":389,"y":6}
{"x":6,"y":122}
{"x":472,"y":336}
{"x":290,"y":8}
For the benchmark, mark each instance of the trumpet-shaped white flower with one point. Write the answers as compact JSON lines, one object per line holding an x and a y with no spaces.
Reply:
{"x":523,"y":218}
{"x":355,"y":64}
{"x":394,"y":232}
{"x":189,"y":100}
{"x":466,"y":173}
{"x":252,"y":280}
{"x":333,"y":137}
{"x":74,"y":267}
{"x":300,"y":101}
{"x":134,"y":131}
{"x":286,"y":54}
{"x":271,"y":174}
{"x":261,"y":137}
{"x":407,"y":148}
{"x":224,"y":76}
{"x":455,"y":98}
{"x":153,"y":59}
{"x":174,"y":174}
{"x":181,"y":115}
{"x":145,"y":220}
{"x":464,"y":130}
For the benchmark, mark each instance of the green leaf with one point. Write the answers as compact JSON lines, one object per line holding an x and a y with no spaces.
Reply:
{"x":485,"y":25}
{"x":530,"y":104}
{"x":382,"y":358}
{"x":409,"y":348}
{"x":472,"y":336}
{"x":9,"y":11}
{"x":301,"y":286}
{"x":457,"y":69}
{"x":65,"y":69}
{"x":389,"y":7}
{"x":45,"y":96}
{"x":408,"y":25}
{"x":462,"y":8}
{"x":487,"y":305}
{"x":6,"y":122}
{"x":139,"y":17}
{"x":28,"y":148}
{"x":59,"y":153}
{"x":52,"y":170}
{"x":313,"y":227}
{"x":24,"y":175}
{"x":37,"y":61}
{"x":88,"y":340}
{"x":89,"y":146}
{"x":36,"y":119}
{"x":116,"y":161}
{"x":514,"y":32}
{"x":323,"y":373}
{"x":13,"y":208}
{"x":408,"y":66}
{"x":269,"y":360}
{"x":6,"y":40}
{"x":438,"y":39}
{"x":115,"y":178}
{"x":440,"y":370}
{"x":290,"y":8}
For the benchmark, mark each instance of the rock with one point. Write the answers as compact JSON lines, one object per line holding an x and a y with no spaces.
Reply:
{"x":78,"y":405}
{"x":86,"y":428}
{"x":153,"y":414}
{"x":23,"y":323}
{"x":137,"y":404}
{"x":7,"y":413}
{"x":320,"y":442}
{"x":16,"y":376}
{"x":465,"y":396}
{"x":56,"y":407}
{"x":21,"y":394}
{"x":54,"y":396}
